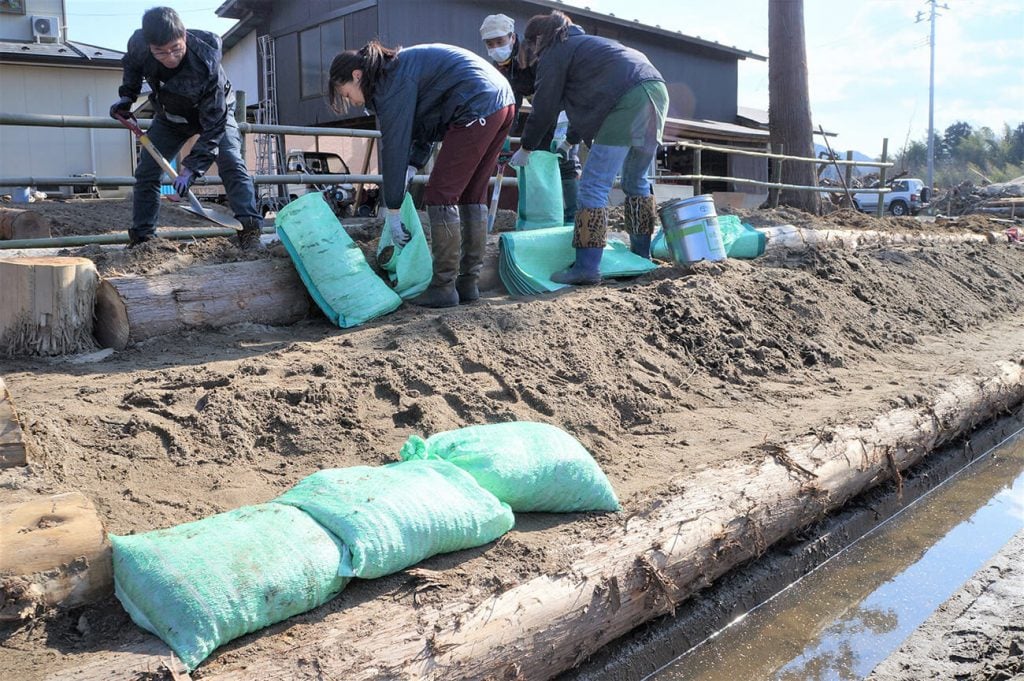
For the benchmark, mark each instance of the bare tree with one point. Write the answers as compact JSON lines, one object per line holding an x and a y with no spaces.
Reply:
{"x":789,"y":105}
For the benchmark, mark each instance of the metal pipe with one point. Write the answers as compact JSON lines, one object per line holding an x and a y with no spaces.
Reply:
{"x":113,"y":238}
{"x":208,"y":180}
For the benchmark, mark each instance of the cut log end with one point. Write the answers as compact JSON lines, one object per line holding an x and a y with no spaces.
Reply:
{"x":12,"y":438}
{"x":56,"y":554}
{"x":48,"y":305}
{"x":111,"y":325}
{"x":23,"y":224}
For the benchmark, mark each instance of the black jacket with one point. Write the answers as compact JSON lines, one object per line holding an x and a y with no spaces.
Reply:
{"x":521,"y":78}
{"x":423,"y":92}
{"x":196,"y":96}
{"x":585,"y":76}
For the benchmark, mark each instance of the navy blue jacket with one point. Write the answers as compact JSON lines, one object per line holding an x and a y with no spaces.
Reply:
{"x":197,"y":95}
{"x":425,"y":90}
{"x":585,"y":76}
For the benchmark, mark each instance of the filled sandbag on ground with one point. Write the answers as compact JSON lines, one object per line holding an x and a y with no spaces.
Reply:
{"x":529,"y":466}
{"x":202,"y":584}
{"x":390,"y":517}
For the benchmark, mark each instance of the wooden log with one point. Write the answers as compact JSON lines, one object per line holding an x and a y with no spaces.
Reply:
{"x":55,"y":553}
{"x":132,"y":308}
{"x":23,"y":224}
{"x":47,"y":305}
{"x":12,"y":439}
{"x":647,"y":565}
{"x":790,"y":239}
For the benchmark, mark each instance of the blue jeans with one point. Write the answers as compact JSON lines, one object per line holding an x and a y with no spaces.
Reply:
{"x":604,"y":162}
{"x":168,"y":138}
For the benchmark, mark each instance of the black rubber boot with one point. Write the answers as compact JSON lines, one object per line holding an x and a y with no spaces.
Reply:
{"x":249,"y":235}
{"x":445,"y":246}
{"x":474,"y":243}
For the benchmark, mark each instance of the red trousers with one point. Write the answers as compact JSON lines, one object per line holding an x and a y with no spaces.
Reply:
{"x":467,"y":160}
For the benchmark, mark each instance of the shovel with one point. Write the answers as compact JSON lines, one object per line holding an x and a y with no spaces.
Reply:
{"x":492,"y":212}
{"x":194,"y":206}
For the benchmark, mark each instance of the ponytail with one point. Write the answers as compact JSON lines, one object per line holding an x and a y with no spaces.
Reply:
{"x":372,"y":59}
{"x":544,"y":30}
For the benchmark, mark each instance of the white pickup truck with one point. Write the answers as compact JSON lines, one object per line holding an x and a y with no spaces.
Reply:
{"x":907,"y":196}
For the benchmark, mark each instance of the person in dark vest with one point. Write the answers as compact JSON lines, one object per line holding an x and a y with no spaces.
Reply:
{"x":191,"y":95}
{"x":421,"y":95}
{"x":617,"y":103}
{"x":498,"y":32}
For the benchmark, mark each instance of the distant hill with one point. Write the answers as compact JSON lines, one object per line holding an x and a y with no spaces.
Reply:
{"x":830,"y":172}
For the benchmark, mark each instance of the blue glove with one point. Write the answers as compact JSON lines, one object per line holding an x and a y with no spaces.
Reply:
{"x":183,"y":182}
{"x":520,"y":158}
{"x":399,"y":234}
{"x":410,"y":173}
{"x":122,"y":107}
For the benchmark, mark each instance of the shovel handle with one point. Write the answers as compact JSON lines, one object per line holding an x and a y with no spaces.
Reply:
{"x":492,"y":211}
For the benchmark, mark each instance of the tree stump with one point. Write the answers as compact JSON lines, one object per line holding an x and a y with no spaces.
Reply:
{"x":23,"y":224}
{"x":47,"y":305}
{"x":55,"y":553}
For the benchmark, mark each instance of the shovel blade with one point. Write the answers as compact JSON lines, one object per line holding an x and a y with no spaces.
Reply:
{"x":212,"y":216}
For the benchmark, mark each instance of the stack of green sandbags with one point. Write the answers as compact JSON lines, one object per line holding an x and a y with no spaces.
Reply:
{"x":739,"y":239}
{"x":331,"y":265}
{"x":390,"y":517}
{"x":530,"y":466}
{"x":526,"y":260}
{"x":201,"y":584}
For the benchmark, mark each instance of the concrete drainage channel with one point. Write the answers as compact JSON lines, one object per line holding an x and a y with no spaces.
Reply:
{"x":843,"y":595}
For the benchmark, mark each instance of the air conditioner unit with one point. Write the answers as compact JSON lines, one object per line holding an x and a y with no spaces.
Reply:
{"x":46,"y":29}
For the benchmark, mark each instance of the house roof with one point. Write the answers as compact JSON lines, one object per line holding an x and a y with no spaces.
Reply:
{"x":67,"y":53}
{"x":251,"y":12}
{"x":646,"y":28}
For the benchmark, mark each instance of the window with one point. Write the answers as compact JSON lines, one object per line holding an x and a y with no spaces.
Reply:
{"x":317,"y":47}
{"x":310,"y":73}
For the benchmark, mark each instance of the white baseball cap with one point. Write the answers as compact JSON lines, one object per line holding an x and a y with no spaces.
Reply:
{"x":496,"y":26}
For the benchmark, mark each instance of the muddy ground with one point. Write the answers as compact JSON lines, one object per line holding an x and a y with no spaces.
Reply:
{"x":661,"y":376}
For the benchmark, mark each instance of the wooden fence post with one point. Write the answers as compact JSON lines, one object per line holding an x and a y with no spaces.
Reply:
{"x":773,"y":192}
{"x":849,"y":172}
{"x":880,"y":208}
{"x":698,"y":171}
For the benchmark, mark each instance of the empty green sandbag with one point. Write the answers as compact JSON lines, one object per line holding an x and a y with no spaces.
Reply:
{"x":409,"y":267}
{"x":204,"y":583}
{"x":540,"y":192}
{"x":331,"y":264}
{"x":529,"y":466}
{"x":390,"y":517}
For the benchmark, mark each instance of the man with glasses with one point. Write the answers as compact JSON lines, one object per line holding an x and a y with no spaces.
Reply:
{"x":191,"y":96}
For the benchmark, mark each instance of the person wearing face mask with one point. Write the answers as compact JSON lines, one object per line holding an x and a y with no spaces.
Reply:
{"x":498,"y":32}
{"x":421,"y":95}
{"x":617,"y":102}
{"x":191,"y":96}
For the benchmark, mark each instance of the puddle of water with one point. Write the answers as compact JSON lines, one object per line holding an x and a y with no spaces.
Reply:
{"x":852,"y":612}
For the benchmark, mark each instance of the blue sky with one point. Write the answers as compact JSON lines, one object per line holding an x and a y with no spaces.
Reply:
{"x":867,"y":59}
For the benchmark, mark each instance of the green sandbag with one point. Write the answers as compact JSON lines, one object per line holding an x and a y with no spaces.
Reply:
{"x":410,"y":267}
{"x":390,"y":517}
{"x":529,"y":466}
{"x":540,"y":192}
{"x":331,"y":265}
{"x":202,"y":584}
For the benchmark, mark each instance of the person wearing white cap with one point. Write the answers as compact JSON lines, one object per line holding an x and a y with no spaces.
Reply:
{"x":498,"y":32}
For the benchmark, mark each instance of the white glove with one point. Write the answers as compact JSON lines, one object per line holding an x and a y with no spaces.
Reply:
{"x":410,"y":173}
{"x":520,"y":158}
{"x":399,"y":234}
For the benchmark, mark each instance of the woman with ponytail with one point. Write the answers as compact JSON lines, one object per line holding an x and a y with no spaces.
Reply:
{"x":422,"y":95}
{"x":617,"y":103}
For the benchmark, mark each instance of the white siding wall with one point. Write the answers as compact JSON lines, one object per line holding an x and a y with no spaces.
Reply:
{"x":42,"y":151}
{"x":19,"y":26}
{"x":242,"y":68}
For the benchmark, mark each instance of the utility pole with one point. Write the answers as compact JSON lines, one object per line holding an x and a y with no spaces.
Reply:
{"x":933,"y":12}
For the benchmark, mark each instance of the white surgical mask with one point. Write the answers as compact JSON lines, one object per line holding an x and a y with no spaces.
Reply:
{"x":500,"y":54}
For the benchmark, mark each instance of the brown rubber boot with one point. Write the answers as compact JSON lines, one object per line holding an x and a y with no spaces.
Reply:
{"x":445,"y":246}
{"x":641,"y":217}
{"x":474,"y":243}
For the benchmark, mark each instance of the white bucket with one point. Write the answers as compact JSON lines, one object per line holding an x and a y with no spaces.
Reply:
{"x":691,"y":230}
